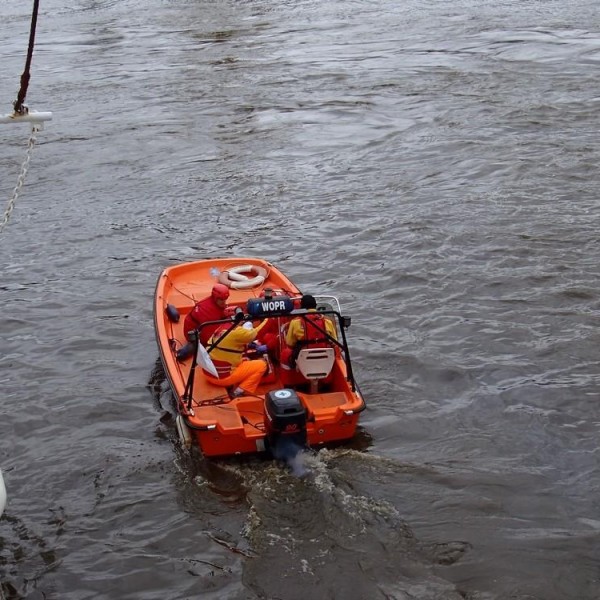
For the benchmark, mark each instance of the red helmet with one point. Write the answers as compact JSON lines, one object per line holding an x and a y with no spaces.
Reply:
{"x":220,"y":291}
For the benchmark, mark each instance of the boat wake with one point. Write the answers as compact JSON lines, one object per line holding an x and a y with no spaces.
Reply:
{"x":36,"y":555}
{"x":319,"y":520}
{"x":330,"y":540}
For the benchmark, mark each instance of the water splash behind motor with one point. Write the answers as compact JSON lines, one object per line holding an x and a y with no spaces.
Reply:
{"x":290,"y":452}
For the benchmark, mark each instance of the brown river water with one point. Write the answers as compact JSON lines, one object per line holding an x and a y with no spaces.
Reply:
{"x":432,"y":164}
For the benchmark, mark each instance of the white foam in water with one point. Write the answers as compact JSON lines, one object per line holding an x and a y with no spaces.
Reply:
{"x":298,"y":464}
{"x":354,"y":505}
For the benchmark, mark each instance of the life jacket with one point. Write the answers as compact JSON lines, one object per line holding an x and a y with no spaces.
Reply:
{"x":231,"y":349}
{"x":223,"y":367}
{"x":314,"y":327}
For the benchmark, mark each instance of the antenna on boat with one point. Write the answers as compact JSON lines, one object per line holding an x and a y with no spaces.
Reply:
{"x":22,"y":114}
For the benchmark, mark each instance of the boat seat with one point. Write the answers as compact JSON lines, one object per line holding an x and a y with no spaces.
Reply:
{"x":315,"y":364}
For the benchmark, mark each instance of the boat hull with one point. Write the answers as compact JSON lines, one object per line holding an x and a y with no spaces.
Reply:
{"x":221,"y":426}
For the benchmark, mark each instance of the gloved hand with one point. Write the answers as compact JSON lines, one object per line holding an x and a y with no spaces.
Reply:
{"x":262,"y":348}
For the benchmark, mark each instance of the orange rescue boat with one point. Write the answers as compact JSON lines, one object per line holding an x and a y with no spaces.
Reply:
{"x":317,"y":402}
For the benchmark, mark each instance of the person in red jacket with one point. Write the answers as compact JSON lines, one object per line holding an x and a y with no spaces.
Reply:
{"x":211,"y":308}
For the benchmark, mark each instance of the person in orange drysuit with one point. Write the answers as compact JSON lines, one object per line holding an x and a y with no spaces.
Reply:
{"x":228,"y":358}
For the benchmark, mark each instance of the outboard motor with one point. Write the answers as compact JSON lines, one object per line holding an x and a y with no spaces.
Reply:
{"x":285,"y":424}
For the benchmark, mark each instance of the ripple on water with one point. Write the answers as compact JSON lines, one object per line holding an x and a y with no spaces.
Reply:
{"x":435,"y":169}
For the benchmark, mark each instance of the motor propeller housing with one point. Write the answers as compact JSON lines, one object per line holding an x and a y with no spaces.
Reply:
{"x":285,"y":423}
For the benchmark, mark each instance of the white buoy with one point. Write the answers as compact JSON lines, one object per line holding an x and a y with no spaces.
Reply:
{"x":2,"y":494}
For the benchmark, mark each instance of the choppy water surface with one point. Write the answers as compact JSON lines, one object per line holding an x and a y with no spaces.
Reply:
{"x":433,"y":164}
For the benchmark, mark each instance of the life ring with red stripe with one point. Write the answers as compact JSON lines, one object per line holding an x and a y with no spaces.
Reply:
{"x":236,"y":278}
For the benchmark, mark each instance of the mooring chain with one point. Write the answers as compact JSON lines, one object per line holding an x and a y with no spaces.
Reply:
{"x":21,"y":113}
{"x":21,"y":179}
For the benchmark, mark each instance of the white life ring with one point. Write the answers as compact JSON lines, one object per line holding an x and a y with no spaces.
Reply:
{"x":235,"y":278}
